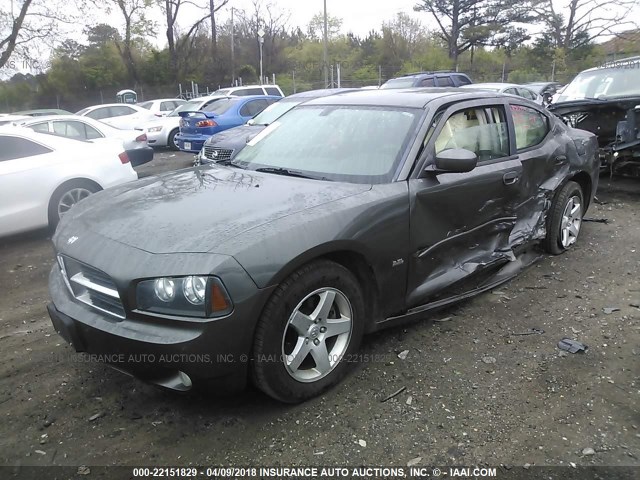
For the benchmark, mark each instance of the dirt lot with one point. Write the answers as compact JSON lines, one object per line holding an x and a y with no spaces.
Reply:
{"x":475,"y":392}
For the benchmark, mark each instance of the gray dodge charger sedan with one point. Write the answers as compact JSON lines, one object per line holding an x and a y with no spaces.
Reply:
{"x":348,"y":214}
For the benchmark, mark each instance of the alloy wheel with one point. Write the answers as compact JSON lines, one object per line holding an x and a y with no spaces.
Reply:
{"x":571,"y":222}
{"x":70,"y":198}
{"x":317,"y":334}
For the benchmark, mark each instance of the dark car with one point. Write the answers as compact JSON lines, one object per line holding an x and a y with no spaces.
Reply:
{"x":225,"y":145}
{"x":197,"y":127}
{"x":604,"y":100}
{"x":545,"y":89}
{"x":441,"y":78}
{"x":351,"y":213}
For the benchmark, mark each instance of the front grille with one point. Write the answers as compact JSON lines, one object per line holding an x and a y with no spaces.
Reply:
{"x":91,"y":286}
{"x":217,"y":154}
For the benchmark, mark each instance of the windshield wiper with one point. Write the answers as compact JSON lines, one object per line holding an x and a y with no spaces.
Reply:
{"x":288,"y":173}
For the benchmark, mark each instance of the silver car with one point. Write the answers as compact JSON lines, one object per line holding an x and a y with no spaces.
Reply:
{"x":509,"y":89}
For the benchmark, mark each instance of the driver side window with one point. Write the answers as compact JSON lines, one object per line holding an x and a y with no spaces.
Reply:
{"x":481,"y":130}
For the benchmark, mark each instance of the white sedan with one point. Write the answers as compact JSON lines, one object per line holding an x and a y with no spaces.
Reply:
{"x":42,"y":176}
{"x":119,"y":115}
{"x":85,"y":128}
{"x":508,"y":88}
{"x":161,"y":132}
{"x":161,"y":107}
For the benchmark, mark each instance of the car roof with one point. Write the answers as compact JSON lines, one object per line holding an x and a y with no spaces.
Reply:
{"x":49,"y":118}
{"x":111,"y":105}
{"x":55,"y":141}
{"x":324,"y":92}
{"x":409,"y":97}
{"x":492,"y":85}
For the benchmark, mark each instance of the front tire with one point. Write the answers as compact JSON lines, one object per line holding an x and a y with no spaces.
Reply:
{"x":171,"y":141}
{"x":565,"y":219}
{"x":310,"y":326}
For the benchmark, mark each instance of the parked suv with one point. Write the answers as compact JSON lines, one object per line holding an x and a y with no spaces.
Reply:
{"x":443,"y":78}
{"x":250,"y":90}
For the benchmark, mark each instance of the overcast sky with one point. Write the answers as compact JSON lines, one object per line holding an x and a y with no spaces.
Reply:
{"x":359,"y":16}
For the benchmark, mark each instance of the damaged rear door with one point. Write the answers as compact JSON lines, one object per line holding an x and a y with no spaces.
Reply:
{"x":460,"y":223}
{"x":542,"y":150}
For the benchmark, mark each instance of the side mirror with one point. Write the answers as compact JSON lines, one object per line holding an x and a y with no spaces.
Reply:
{"x":251,"y":121}
{"x":455,"y":160}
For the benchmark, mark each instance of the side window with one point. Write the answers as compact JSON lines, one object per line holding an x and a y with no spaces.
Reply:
{"x":166,"y":106}
{"x":99,"y":113}
{"x":273,"y":91}
{"x":92,"y":133}
{"x":480,"y":130}
{"x":121,"y":110}
{"x":511,"y":91}
{"x":16,"y":147}
{"x":445,"y":82}
{"x":73,"y":130}
{"x":253,"y":107}
{"x":42,"y":127}
{"x":531,"y":126}
{"x":462,"y":80}
{"x":428,"y":82}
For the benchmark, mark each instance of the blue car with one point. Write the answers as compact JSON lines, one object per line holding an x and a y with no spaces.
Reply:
{"x":228,"y":112}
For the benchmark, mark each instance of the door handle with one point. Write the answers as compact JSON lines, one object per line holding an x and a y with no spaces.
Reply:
{"x":560,"y":159}
{"x":510,"y":178}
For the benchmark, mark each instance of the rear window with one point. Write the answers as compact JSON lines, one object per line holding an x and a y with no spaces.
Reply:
{"x":243,"y":92}
{"x":273,"y":91}
{"x":146,"y":105}
{"x":221,"y":106}
{"x":462,"y":80}
{"x":398,"y":83}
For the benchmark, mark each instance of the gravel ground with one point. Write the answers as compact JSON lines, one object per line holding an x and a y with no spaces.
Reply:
{"x":473,"y":388}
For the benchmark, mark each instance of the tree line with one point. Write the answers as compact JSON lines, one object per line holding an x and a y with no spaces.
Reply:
{"x":491,"y":40}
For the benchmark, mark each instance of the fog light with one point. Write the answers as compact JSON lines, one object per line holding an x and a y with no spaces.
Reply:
{"x":165,"y":289}
{"x":194,"y":289}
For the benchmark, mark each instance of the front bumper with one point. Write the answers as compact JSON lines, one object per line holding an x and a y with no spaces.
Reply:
{"x":172,"y":353}
{"x":139,"y":156}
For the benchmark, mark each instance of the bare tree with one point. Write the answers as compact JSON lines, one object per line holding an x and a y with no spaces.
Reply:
{"x":580,"y":22}
{"x":136,"y":25}
{"x":213,"y":8}
{"x":24,"y":24}
{"x":403,"y":34}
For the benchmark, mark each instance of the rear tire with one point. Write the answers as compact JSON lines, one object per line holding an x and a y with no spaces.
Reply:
{"x":66,"y":196}
{"x":311,"y":325}
{"x":171,"y":141}
{"x":565,"y":219}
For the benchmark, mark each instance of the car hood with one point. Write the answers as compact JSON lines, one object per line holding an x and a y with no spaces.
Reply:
{"x":610,"y":119}
{"x":196,"y":210}
{"x":235,"y":137}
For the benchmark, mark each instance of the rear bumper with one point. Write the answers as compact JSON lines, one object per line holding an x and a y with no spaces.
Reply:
{"x":140,"y":156}
{"x":196,"y":142}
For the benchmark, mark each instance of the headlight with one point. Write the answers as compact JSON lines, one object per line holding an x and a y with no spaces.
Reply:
{"x":154,"y":129}
{"x":192,"y":296}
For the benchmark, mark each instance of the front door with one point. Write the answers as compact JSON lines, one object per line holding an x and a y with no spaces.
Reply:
{"x":460,"y":222}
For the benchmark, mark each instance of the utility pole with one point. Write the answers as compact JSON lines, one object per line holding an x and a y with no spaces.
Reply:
{"x":325,"y":65}
{"x":233,"y":56}
{"x":261,"y":41}
{"x":338,"y":72}
{"x":553,"y":71}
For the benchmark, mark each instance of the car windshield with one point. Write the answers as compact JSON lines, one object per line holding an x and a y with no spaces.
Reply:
{"x":358,"y":144}
{"x":398,"y":83}
{"x":603,"y":83}
{"x":190,"y":106}
{"x":274,"y":111}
